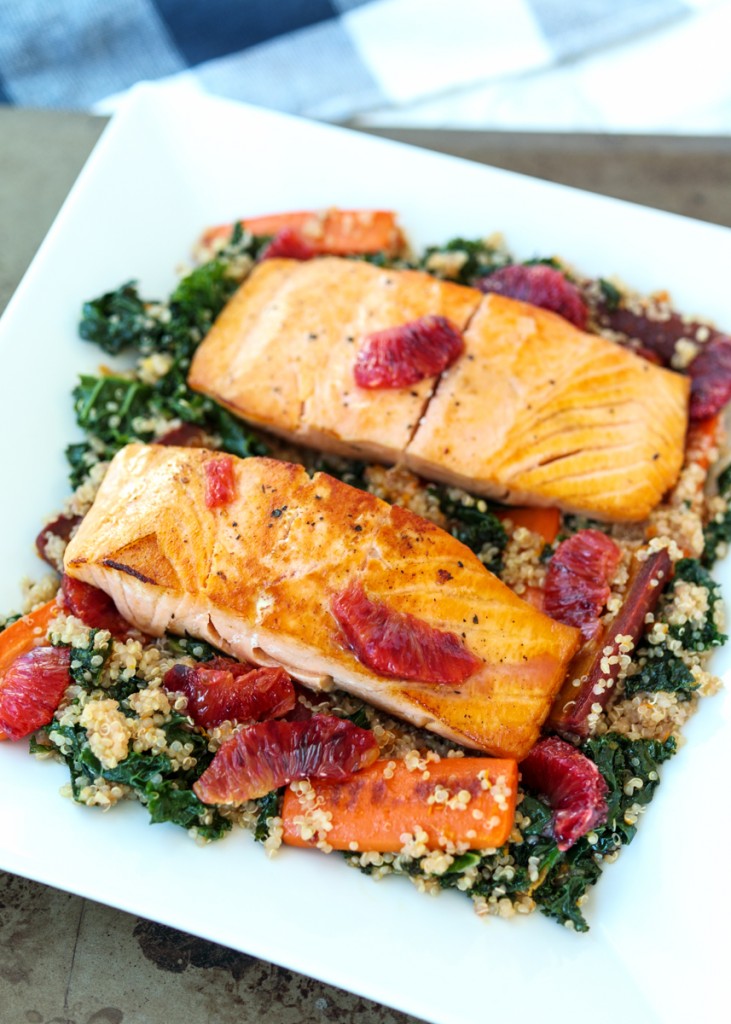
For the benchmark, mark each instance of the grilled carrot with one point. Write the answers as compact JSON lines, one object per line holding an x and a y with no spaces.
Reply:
{"x":338,"y":232}
{"x":25,"y":633}
{"x":543,"y":521}
{"x":468,"y":800}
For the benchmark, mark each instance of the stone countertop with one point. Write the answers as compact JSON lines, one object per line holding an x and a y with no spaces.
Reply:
{"x":55,"y":949}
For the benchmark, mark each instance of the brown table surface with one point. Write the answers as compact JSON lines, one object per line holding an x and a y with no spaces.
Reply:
{"x":56,"y":949}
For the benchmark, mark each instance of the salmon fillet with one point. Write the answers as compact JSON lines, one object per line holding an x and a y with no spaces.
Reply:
{"x":537,"y":411}
{"x":256,"y":578}
{"x":534,"y":412}
{"x":281,"y":352}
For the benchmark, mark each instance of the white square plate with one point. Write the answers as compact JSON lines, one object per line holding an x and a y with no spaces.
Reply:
{"x":169,"y":165}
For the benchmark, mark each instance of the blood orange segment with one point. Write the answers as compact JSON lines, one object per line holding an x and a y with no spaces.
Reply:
{"x":220,"y":481}
{"x":223,"y":690}
{"x":577,"y":580}
{"x":31,"y":689}
{"x":542,"y":286}
{"x":272,"y":754}
{"x":95,"y":608}
{"x":187,"y":435}
{"x":573,"y":786}
{"x":398,"y":644}
{"x":289,"y":244}
{"x":400,"y":356}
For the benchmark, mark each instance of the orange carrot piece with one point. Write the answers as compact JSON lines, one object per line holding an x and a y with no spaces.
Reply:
{"x":334,"y":231}
{"x":25,"y":633}
{"x":544,"y":521}
{"x":384,"y":803}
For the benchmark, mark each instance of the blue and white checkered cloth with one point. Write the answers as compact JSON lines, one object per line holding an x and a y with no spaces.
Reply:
{"x":327,"y":59}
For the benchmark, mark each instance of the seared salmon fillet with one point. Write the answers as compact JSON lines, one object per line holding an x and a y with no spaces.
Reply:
{"x":257,"y":577}
{"x":281,"y":353}
{"x":534,"y":411}
{"x":539,"y":412}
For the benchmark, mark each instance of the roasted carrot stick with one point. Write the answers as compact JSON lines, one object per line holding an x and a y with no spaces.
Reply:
{"x":468,"y":800}
{"x":544,"y":521}
{"x":25,"y":633}
{"x":338,"y":232}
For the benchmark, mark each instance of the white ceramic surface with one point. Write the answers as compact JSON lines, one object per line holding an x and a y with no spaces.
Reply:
{"x":167,"y":166}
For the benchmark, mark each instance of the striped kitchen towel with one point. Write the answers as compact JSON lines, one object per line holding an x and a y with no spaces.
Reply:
{"x":327,"y":59}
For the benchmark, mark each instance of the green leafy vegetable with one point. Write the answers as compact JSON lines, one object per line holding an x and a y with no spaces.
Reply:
{"x":664,"y":671}
{"x":573,"y":523}
{"x":180,"y":806}
{"x":698,"y":636}
{"x":612,"y":295}
{"x":461,"y":864}
{"x":472,"y":523}
{"x":87,"y":663}
{"x":480,"y":259}
{"x":120,"y":319}
{"x":188,"y":645}
{"x":558,"y":880}
{"x":268,"y":808}
{"x":350,"y":471}
{"x":114,"y":410}
{"x":166,"y":790}
{"x":620,"y":759}
{"x":360,"y":718}
{"x":547,"y":261}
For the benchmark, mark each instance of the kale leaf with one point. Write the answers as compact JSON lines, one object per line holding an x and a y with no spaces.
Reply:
{"x":87,"y":663}
{"x":566,"y":881}
{"x":696,"y":636}
{"x":350,"y":471}
{"x":663,"y":671}
{"x":612,"y":295}
{"x":118,"y":320}
{"x":620,"y":759}
{"x":188,"y":645}
{"x":268,"y":808}
{"x":166,"y":802}
{"x":573,"y":523}
{"x":570,"y":874}
{"x":480,"y":259}
{"x":472,"y":523}
{"x":165,"y":791}
{"x":359,"y":718}
{"x":558,"y":880}
{"x":115,"y":409}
